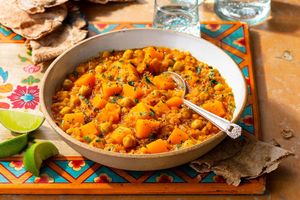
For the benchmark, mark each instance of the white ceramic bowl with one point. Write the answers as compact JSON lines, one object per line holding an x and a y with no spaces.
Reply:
{"x":138,"y":38}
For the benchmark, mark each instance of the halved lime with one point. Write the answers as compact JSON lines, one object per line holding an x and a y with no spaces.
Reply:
{"x":13,"y":146}
{"x":36,"y":154}
{"x":20,"y":122}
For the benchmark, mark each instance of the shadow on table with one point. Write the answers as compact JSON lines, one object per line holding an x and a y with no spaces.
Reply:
{"x":285,"y":18}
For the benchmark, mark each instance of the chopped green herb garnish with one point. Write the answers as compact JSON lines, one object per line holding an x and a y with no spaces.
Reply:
{"x":85,"y":100}
{"x":213,"y":82}
{"x":97,"y":140}
{"x":136,"y":100}
{"x":87,"y":138}
{"x":131,"y":83}
{"x":210,"y":67}
{"x":148,"y":80}
{"x":152,"y":113}
{"x":198,"y":70}
{"x":230,"y":94}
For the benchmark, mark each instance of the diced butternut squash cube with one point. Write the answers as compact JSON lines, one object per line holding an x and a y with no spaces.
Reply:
{"x":98,"y":101}
{"x":117,"y":135}
{"x":155,"y":66}
{"x":132,"y":92}
{"x":161,"y":108}
{"x":164,"y":82}
{"x":215,"y":107}
{"x":89,"y":129}
{"x":144,"y":128}
{"x":110,"y":89}
{"x":110,"y":113}
{"x":141,"y":111}
{"x":71,"y":119}
{"x":157,"y":146}
{"x":174,"y":101}
{"x":177,"y":136}
{"x":150,"y":53}
{"x":86,"y":79}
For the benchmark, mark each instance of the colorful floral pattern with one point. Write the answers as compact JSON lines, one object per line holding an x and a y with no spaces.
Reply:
{"x":102,"y":178}
{"x":32,"y":69}
{"x":240,"y":42}
{"x":17,"y":165}
{"x":164,"y":178}
{"x":44,"y":178}
{"x":25,"y":97}
{"x":76,"y":165}
{"x":30,"y":80}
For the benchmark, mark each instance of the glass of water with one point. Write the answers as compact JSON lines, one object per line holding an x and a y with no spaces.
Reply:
{"x":250,"y":11}
{"x":178,"y":15}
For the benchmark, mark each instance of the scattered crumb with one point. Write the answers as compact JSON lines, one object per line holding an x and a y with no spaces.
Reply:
{"x":287,"y":55}
{"x":287,"y":133}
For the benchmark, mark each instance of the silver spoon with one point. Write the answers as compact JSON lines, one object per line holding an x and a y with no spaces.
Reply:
{"x":231,"y":129}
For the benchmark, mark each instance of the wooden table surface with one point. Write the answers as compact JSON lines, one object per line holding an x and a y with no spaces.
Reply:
{"x":276,"y":55}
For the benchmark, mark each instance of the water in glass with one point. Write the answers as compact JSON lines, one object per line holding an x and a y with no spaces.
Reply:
{"x":249,"y":11}
{"x":180,"y":15}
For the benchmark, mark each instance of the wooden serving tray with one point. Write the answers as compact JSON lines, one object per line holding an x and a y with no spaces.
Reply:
{"x":72,"y":174}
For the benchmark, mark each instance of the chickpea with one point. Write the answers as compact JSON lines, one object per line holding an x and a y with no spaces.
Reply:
{"x":178,"y":66}
{"x":197,"y":124}
{"x":219,"y":87}
{"x":65,"y":110}
{"x":80,"y":69}
{"x":105,"y":54}
{"x":67,"y":84}
{"x":100,"y":68}
{"x":61,"y":95}
{"x":138,"y":53}
{"x":126,"y":102}
{"x":74,"y":101}
{"x":186,"y":113}
{"x":85,"y":90}
{"x":105,"y":127}
{"x":129,"y":141}
{"x":187,"y":143}
{"x":128,"y":54}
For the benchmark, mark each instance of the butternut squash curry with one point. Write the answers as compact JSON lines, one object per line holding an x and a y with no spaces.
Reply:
{"x":122,"y":102}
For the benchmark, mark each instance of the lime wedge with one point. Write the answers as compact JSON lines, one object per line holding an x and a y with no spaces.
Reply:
{"x":13,"y":146}
{"x":36,"y":154}
{"x":20,"y":122}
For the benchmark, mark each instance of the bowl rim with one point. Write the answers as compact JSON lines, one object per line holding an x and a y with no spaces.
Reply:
{"x":87,"y":147}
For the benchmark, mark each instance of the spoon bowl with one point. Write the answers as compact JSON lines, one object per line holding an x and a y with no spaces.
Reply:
{"x":232,"y":130}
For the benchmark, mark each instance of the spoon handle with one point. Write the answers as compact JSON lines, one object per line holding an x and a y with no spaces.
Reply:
{"x":231,"y":129}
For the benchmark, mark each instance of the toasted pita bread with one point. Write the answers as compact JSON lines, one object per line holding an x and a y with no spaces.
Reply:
{"x":31,"y":26}
{"x":52,"y":45}
{"x":234,"y":161}
{"x":106,"y":1}
{"x":38,"y":6}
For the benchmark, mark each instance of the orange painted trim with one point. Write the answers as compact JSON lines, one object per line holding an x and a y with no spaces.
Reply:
{"x":256,"y":114}
{"x":254,"y":187}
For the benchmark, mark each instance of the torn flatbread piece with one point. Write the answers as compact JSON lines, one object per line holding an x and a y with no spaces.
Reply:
{"x":52,"y":45}
{"x":38,"y":6}
{"x":31,"y":26}
{"x":234,"y":161}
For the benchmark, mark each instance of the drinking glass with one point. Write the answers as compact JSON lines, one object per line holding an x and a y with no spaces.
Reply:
{"x":178,"y":15}
{"x":249,"y":11}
